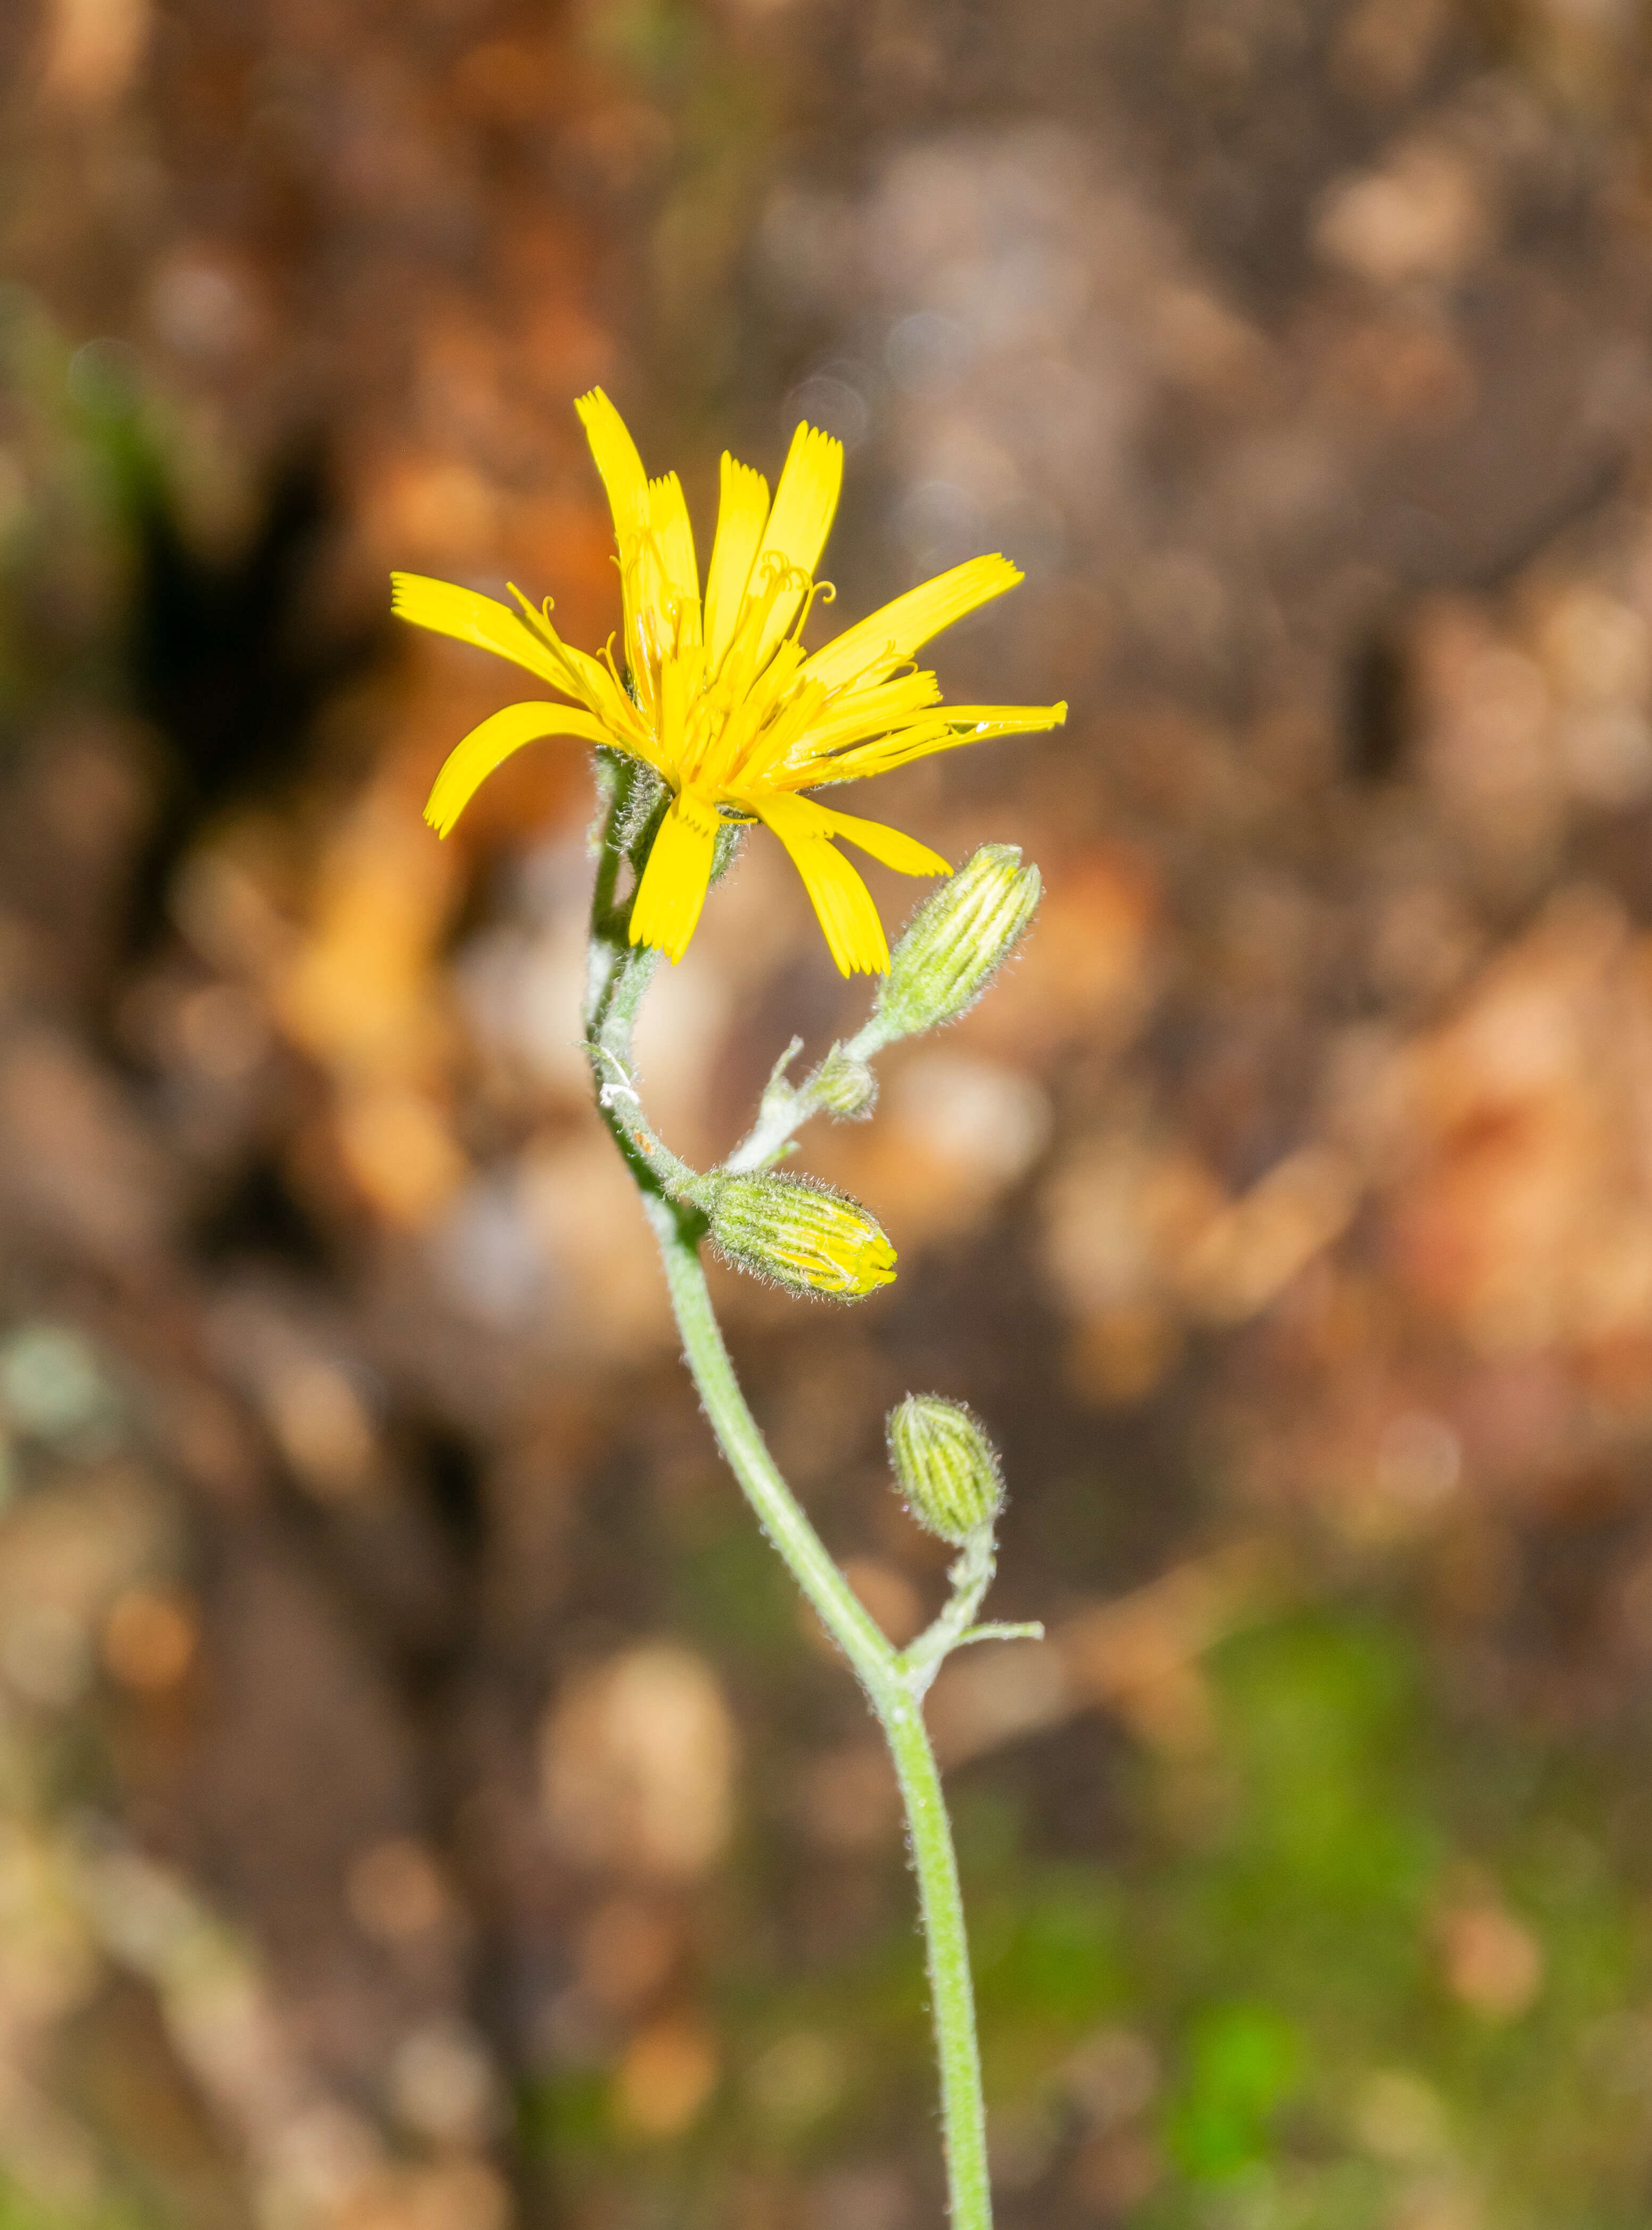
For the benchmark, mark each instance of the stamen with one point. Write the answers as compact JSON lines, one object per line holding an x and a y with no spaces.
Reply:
{"x":826,"y":592}
{"x":537,"y":617}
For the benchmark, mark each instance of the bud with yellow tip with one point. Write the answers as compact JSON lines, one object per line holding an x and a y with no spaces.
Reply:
{"x":947,"y":1467}
{"x":956,"y":940}
{"x":800,"y":1233}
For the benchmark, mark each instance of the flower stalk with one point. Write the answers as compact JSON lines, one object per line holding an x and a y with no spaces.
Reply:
{"x":712,"y":719}
{"x":680,"y":1207}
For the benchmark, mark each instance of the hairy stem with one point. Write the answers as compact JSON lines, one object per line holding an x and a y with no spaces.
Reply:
{"x":895,"y":1685}
{"x":951,"y":1992}
{"x":743,"y":1445}
{"x":786,"y":1108}
{"x":895,"y":1692}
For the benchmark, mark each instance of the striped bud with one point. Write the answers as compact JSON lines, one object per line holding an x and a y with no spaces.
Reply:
{"x":843,"y":1086}
{"x":958,"y":939}
{"x":947,"y":1467}
{"x":803,"y":1235}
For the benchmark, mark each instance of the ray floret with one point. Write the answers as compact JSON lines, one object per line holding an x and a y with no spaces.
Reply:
{"x":716,"y":692}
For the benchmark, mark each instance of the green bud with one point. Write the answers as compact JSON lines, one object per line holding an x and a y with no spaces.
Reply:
{"x":947,"y":1467}
{"x":800,"y":1233}
{"x":957,"y":938}
{"x":844,"y":1087}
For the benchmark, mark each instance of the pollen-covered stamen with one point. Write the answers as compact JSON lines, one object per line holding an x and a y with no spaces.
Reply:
{"x":655,"y":608}
{"x":539,"y":624}
{"x":746,"y":653}
{"x":735,"y":702}
{"x":785,"y":735}
{"x":748,"y":717}
{"x":749,"y":682}
{"x":681,"y":614}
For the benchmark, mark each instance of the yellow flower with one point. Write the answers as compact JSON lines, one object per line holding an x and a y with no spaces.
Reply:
{"x":716,"y":692}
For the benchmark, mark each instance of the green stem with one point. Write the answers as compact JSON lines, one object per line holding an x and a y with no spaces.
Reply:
{"x":895,"y":1685}
{"x":856,"y":1634}
{"x":895,"y":1691}
{"x":970,"y":1576}
{"x":952,"y":1993}
{"x":786,"y":1108}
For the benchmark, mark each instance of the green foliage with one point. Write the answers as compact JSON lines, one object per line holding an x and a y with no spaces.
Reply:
{"x":729,"y":1590}
{"x":1054,"y":1958}
{"x":1268,"y":1935}
{"x":1287,"y":1932}
{"x":1243,"y":2061}
{"x":23,"y":2209}
{"x":566,"y":2117}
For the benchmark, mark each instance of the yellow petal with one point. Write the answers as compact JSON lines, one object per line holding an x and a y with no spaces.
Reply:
{"x":841,"y":899}
{"x":806,"y":500}
{"x":469,"y":764}
{"x":804,"y":504}
{"x":591,"y":680}
{"x":677,"y":876}
{"x":741,"y":514}
{"x":875,"y":646}
{"x":677,"y":683}
{"x":471,"y":618}
{"x":772,"y":747}
{"x":892,"y":846}
{"x":673,"y":539}
{"x":952,"y":725}
{"x":618,"y":463}
{"x":855,"y":715}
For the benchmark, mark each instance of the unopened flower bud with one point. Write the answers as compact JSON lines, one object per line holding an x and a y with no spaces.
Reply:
{"x":843,"y":1086}
{"x":803,"y":1235}
{"x":958,"y":939}
{"x":947,"y":1467}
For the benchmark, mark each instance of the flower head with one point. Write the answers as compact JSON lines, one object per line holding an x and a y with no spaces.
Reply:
{"x":715,"y":691}
{"x":802,"y":1233}
{"x":947,"y":1467}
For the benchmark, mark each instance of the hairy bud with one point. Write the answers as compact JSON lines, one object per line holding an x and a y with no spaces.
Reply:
{"x":803,"y":1235}
{"x":843,"y":1086}
{"x":947,"y":1467}
{"x":958,"y":939}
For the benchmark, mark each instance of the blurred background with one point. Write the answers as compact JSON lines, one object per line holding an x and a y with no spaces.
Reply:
{"x":422,"y":1804}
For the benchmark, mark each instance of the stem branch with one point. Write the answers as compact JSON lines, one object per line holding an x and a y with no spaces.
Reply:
{"x":787,"y":1107}
{"x":895,"y":1685}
